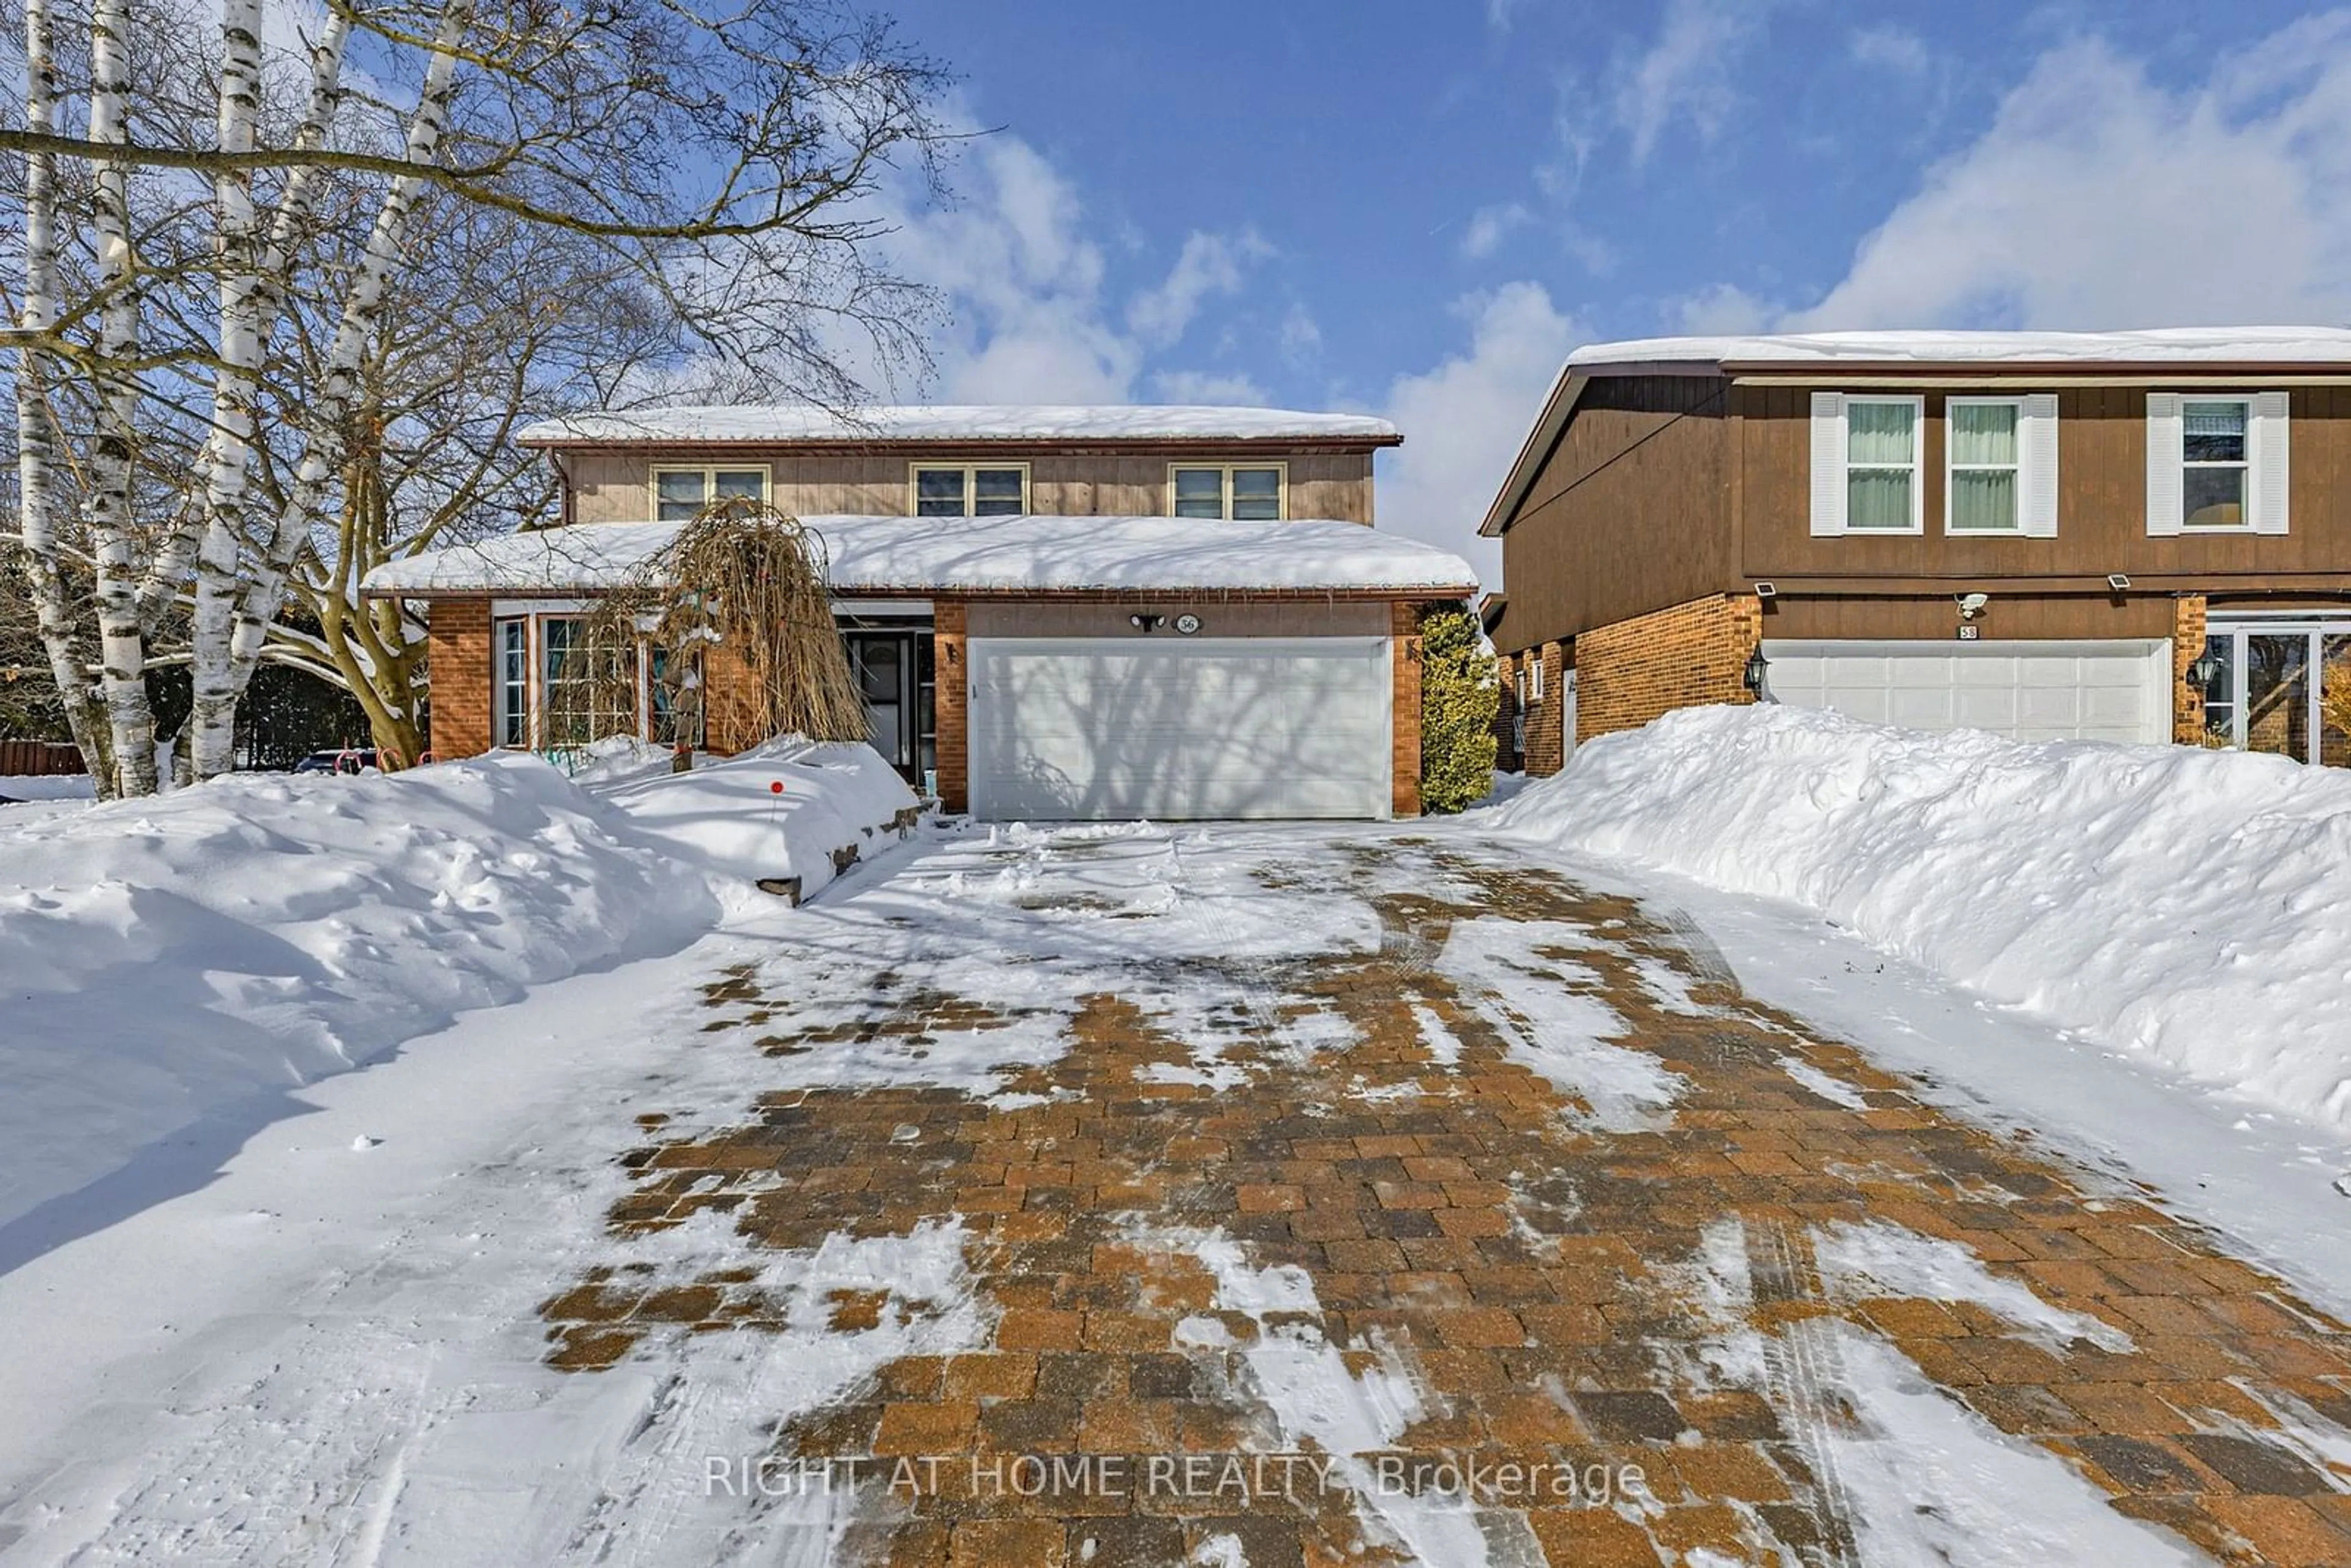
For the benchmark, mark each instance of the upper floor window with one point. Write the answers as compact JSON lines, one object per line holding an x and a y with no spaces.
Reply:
{"x":2216,"y":462}
{"x":680,"y":492}
{"x":1869,"y":451}
{"x":2001,"y":461}
{"x":1239,"y":491}
{"x":1985,"y":456}
{"x":970,"y":489}
{"x":1881,"y":464}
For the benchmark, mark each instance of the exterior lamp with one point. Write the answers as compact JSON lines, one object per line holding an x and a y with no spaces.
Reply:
{"x":1758,"y":666}
{"x":2203,"y":668}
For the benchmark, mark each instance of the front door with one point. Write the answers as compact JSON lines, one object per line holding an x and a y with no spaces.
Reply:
{"x":895,"y":678}
{"x":2281,"y":684}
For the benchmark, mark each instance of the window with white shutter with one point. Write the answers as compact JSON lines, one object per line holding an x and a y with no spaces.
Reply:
{"x":2217,"y":462}
{"x":2165,"y":448}
{"x":2000,"y":466}
{"x":1867,"y":472}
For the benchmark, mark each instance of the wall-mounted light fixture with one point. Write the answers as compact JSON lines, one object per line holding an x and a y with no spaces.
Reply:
{"x":2202,"y":668}
{"x":1767,"y":591}
{"x":1146,"y":622}
{"x":1972,"y":604}
{"x":1757,"y":667}
{"x":2119,"y":582}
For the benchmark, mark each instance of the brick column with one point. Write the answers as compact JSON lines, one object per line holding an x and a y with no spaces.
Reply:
{"x":1506,"y":707}
{"x":1546,"y":749}
{"x":2188,"y":634}
{"x":1403,"y":727}
{"x":457,"y":676}
{"x":952,"y":682}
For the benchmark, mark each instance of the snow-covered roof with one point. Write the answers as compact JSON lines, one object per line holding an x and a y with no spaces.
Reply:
{"x":922,"y":556}
{"x":952,"y":422}
{"x":2202,"y":345}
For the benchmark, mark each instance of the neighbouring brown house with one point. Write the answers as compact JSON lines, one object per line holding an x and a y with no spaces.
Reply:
{"x":1054,"y":613}
{"x":2119,"y":536}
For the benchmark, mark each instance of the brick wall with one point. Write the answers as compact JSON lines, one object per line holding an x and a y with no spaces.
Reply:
{"x":457,"y":674}
{"x":950,"y":624}
{"x":1546,"y":749}
{"x":2187,"y":646}
{"x":1506,"y":708}
{"x":1404,"y":728}
{"x":1630,"y":672}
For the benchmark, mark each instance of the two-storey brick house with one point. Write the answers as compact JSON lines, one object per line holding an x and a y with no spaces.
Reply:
{"x":1051,"y":612}
{"x":2126,"y":536}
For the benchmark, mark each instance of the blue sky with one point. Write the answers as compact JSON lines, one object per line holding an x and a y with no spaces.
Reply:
{"x":1416,"y":209}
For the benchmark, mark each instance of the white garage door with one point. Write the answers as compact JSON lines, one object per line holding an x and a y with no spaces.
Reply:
{"x":1068,"y":729}
{"x":2110,"y":689}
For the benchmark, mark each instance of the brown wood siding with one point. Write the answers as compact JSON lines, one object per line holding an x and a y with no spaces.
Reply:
{"x":610,"y":485}
{"x":1629,"y":514}
{"x":2009,"y":617}
{"x":2101,"y":504}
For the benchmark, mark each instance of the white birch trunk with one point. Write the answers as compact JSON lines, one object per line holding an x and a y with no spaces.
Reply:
{"x":330,"y":411}
{"x":176,"y":558}
{"x":122,"y":650}
{"x":36,"y":433}
{"x":228,"y":448}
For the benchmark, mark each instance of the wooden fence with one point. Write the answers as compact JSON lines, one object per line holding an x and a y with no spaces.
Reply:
{"x":38,"y":759}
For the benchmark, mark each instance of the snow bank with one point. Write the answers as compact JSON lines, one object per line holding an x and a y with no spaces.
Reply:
{"x":731,"y":819}
{"x":46,"y":787}
{"x":2191,"y":905}
{"x":173,"y":966}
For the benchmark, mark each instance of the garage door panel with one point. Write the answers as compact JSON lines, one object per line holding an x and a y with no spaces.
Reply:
{"x":2112,"y":690}
{"x":1078,"y":729}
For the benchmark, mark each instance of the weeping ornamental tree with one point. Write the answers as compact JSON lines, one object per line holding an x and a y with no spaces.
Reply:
{"x":216,"y":230}
{"x":741,"y":584}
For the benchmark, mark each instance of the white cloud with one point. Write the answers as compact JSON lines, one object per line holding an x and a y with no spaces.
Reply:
{"x":1488,"y":227}
{"x":1890,"y":47}
{"x":1031,"y":314}
{"x":1206,"y":386}
{"x":2100,"y":199}
{"x":1686,"y":73}
{"x":1464,"y":421}
{"x":1301,"y":338}
{"x":1210,"y":263}
{"x":1722,"y":308}
{"x":1021,"y":280}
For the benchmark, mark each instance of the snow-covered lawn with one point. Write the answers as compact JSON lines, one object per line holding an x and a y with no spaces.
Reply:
{"x":2191,"y":907}
{"x":177,"y":970}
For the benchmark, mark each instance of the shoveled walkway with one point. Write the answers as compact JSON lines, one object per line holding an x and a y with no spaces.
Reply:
{"x":1475,"y":1214}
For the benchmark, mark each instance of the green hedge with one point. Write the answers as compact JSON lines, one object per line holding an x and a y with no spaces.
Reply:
{"x":1458,"y":694}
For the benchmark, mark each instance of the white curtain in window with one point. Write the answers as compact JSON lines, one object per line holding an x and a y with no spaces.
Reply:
{"x":1880,"y":433}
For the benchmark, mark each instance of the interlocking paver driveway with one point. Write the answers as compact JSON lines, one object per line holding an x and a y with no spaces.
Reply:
{"x":1523,"y":1180}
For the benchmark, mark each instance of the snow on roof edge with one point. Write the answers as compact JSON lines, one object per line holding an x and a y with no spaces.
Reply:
{"x":959,"y":422}
{"x":2305,"y":344}
{"x":1036,"y":554}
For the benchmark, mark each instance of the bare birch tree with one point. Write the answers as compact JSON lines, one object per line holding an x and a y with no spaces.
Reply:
{"x":716,"y":161}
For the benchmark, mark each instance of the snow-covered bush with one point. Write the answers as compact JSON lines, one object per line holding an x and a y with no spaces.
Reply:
{"x":1458,"y":701}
